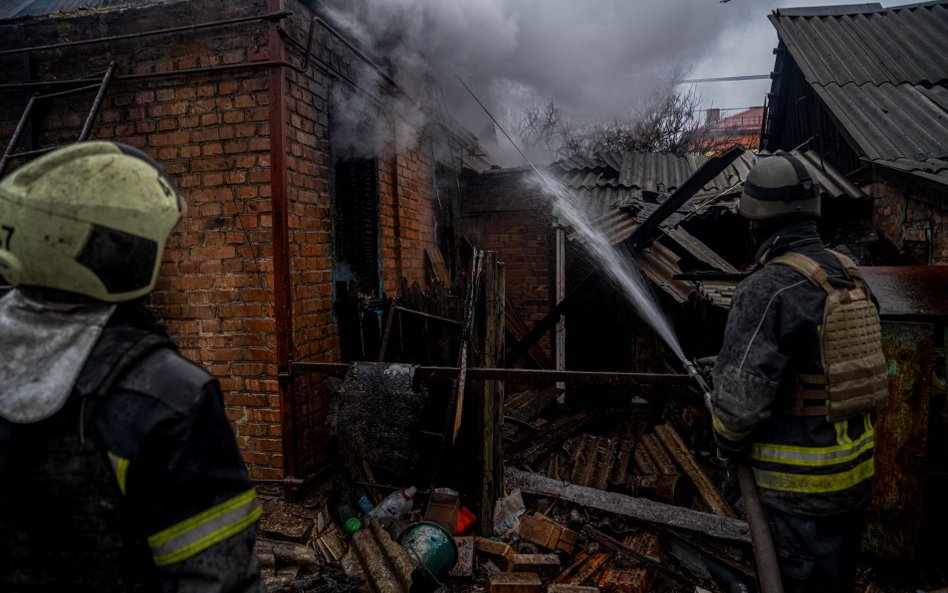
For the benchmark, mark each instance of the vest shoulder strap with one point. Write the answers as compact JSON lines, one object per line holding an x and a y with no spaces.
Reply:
{"x":806,"y":266}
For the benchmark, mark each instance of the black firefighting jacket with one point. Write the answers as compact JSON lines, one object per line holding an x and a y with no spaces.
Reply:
{"x":137,"y":487}
{"x":802,"y":465}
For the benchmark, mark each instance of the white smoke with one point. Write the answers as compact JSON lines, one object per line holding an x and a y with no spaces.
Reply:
{"x":596,"y":59}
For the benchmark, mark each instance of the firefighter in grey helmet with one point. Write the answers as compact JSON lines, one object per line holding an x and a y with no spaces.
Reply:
{"x":789,"y":398}
{"x":118,"y":468}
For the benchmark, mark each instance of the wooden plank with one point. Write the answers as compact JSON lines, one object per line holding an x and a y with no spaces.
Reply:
{"x":518,"y":329}
{"x":490,"y":393}
{"x":635,"y":508}
{"x":438,"y":268}
{"x":708,"y":492}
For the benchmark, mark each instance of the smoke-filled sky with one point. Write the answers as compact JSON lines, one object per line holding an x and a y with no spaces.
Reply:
{"x":597,"y":59}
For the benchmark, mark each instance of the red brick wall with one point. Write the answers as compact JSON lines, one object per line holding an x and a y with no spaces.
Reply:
{"x":406,"y":212}
{"x":504,"y":212}
{"x":311,"y":261}
{"x":899,"y":218}
{"x":212,"y":133}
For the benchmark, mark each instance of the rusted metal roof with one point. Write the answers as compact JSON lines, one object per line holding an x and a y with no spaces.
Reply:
{"x":909,"y":290}
{"x":12,"y":9}
{"x":882,"y":74}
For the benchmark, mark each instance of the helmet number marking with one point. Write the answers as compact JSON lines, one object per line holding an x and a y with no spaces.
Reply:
{"x":6,"y":233}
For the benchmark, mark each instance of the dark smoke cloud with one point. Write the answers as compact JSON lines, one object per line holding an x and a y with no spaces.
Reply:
{"x":596,"y":58}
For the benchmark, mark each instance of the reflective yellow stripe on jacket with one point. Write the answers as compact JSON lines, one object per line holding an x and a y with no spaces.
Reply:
{"x":194,"y":535}
{"x":844,"y":456}
{"x":120,"y":467}
{"x":813,"y":456}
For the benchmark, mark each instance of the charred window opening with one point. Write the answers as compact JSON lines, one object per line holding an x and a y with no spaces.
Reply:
{"x":356,"y":223}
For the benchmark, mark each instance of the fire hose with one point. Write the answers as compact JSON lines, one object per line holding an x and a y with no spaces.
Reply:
{"x":762,"y":541}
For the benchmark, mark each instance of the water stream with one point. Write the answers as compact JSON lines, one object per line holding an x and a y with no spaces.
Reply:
{"x":620,"y":266}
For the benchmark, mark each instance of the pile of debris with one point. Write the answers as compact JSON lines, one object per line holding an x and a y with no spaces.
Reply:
{"x":620,"y":506}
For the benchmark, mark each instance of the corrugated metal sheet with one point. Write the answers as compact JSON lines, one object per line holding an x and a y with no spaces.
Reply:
{"x":933,"y":169}
{"x":832,"y":182}
{"x":871,"y":45}
{"x":882,"y":74}
{"x":660,"y":264}
{"x":889,"y":121}
{"x":11,"y":9}
{"x":633,"y":175}
{"x":718,"y":292}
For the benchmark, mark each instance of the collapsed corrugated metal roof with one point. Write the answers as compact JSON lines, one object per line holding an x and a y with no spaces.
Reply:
{"x":617,"y":180}
{"x":26,"y":8}
{"x":617,"y":199}
{"x":882,"y":74}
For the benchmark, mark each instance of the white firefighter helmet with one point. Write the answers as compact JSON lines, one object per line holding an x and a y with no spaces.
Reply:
{"x":780,"y":185}
{"x":90,"y":218}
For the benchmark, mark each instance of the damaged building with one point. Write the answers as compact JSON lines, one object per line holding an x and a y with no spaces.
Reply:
{"x":340,"y":264}
{"x":293,"y":216}
{"x":863,"y":87}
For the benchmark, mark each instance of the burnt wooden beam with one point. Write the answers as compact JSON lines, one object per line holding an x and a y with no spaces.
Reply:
{"x":640,"y":509}
{"x":632,"y":556}
{"x":644,"y":234}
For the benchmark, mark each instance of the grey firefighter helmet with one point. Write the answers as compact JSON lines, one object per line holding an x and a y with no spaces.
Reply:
{"x":780,"y":185}
{"x":90,"y":218}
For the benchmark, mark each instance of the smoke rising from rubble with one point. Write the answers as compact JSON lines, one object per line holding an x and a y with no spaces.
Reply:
{"x":597,"y":59}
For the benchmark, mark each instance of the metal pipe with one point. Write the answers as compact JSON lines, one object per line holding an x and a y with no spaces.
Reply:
{"x":516,"y":375}
{"x":428,"y":316}
{"x":30,"y":153}
{"x":283,"y":312}
{"x":20,"y":126}
{"x":146,"y":75}
{"x":97,"y":103}
{"x":45,"y":83}
{"x":87,"y":87}
{"x":219,"y":23}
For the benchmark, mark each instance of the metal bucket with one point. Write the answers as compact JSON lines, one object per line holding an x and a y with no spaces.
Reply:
{"x":430,"y":546}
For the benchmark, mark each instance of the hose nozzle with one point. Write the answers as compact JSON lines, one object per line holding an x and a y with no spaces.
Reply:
{"x":693,"y":372}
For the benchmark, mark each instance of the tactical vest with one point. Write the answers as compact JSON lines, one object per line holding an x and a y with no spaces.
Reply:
{"x":63,"y":519}
{"x":854,"y":373}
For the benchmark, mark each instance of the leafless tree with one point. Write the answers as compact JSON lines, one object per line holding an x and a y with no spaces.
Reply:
{"x":666,"y":121}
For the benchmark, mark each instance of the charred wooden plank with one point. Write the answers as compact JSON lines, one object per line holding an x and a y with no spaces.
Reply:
{"x":635,"y":508}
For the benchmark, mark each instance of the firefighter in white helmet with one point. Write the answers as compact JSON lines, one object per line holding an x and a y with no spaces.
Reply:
{"x":798,"y":378}
{"x":118,"y":468}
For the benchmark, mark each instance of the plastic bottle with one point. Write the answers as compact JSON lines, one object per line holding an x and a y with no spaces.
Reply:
{"x":395,"y":506}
